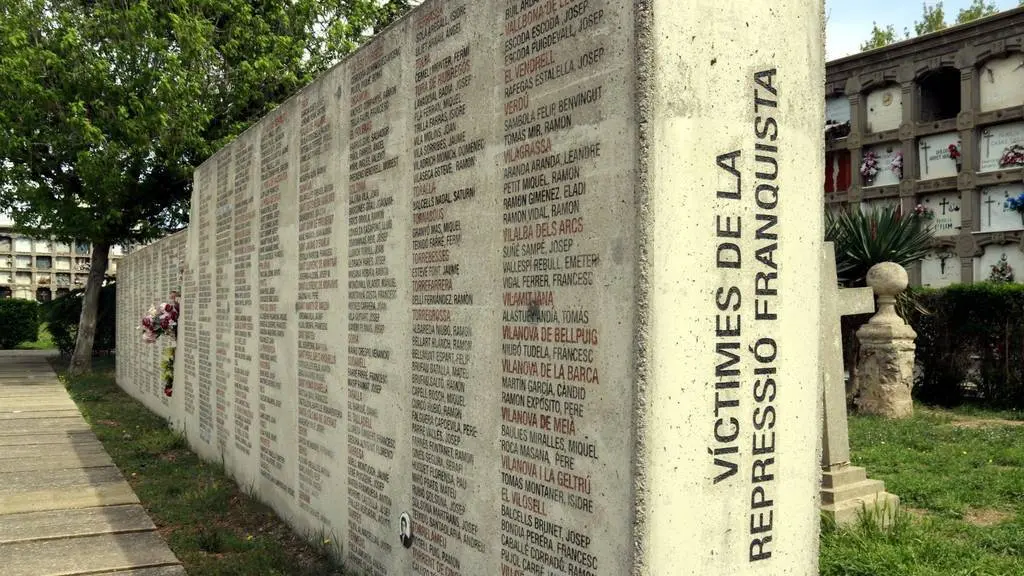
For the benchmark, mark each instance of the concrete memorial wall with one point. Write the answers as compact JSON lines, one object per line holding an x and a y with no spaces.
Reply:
{"x":145,"y":279}
{"x":521,"y":287}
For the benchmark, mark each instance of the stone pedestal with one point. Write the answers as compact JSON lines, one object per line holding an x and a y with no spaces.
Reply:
{"x":847,"y":493}
{"x":886,"y":364}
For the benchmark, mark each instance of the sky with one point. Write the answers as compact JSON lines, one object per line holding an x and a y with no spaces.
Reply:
{"x":849,"y":21}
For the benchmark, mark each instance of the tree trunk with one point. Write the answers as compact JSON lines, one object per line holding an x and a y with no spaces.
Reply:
{"x":81,"y":360}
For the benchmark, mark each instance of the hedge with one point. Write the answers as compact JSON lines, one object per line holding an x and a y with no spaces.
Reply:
{"x":974,"y":334}
{"x":19,"y":322}
{"x":64,"y":313}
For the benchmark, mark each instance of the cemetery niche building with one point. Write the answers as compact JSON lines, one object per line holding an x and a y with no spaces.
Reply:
{"x":937,"y":122}
{"x":43,"y":269}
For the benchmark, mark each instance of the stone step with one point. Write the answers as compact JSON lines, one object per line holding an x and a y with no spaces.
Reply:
{"x":881,"y":504}
{"x":844,"y":475}
{"x":852,"y":491}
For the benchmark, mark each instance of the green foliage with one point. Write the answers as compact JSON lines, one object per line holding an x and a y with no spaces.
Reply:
{"x":950,"y":471}
{"x":933,"y":19}
{"x":879,"y":37}
{"x":167,"y":367}
{"x":977,"y":9}
{"x":198,"y":507}
{"x":19,"y":322}
{"x":105,"y":107}
{"x":44,"y":341}
{"x":863,"y":239}
{"x":975,"y":333}
{"x":62,"y":315}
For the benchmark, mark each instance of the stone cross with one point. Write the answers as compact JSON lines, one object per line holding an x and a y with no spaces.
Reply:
{"x":925,"y":146}
{"x":944,"y":203}
{"x":988,"y":143}
{"x":835,"y":303}
{"x":990,"y":202}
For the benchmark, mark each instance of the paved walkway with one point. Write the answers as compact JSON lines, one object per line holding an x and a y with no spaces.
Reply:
{"x":65,"y":509}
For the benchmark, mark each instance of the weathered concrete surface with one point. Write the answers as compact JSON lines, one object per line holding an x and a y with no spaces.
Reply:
{"x":55,"y":461}
{"x":519,"y":287}
{"x":65,"y":509}
{"x":86,"y":555}
{"x":54,"y":438}
{"x":51,"y":450}
{"x":66,"y":523}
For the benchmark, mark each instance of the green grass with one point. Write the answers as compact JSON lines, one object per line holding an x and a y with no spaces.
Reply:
{"x":43,"y":342}
{"x":960,"y":478}
{"x":213,"y":527}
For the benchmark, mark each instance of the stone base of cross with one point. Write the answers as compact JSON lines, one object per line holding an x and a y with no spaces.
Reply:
{"x":846,"y":491}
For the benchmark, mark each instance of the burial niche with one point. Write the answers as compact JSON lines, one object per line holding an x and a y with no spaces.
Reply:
{"x":940,"y":94}
{"x":837,"y":171}
{"x":885,"y":108}
{"x":1001,"y":83}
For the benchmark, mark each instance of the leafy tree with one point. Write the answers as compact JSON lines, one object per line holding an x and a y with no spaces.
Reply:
{"x":105,"y":107}
{"x":977,"y":9}
{"x":933,"y":19}
{"x":879,"y":37}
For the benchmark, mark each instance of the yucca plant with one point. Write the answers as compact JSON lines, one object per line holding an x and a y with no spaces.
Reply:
{"x":863,"y":239}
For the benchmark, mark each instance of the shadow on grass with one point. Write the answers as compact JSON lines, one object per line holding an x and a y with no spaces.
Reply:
{"x":210,"y":524}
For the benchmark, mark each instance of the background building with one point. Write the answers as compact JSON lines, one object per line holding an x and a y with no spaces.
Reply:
{"x":904,"y":106}
{"x":34,"y":269}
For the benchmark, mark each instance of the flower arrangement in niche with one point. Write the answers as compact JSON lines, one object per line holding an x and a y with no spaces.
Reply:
{"x":167,"y":371}
{"x":161,"y":320}
{"x":1016,"y":204}
{"x":869,"y":167}
{"x":1012,"y":156}
{"x":923,"y":212}
{"x":1001,"y":271}
{"x":955,"y":155}
{"x":896,"y":165}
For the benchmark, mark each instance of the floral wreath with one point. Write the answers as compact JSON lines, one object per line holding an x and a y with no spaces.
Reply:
{"x":869,"y":167}
{"x":159,"y":321}
{"x":896,"y":165}
{"x":1012,"y":156}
